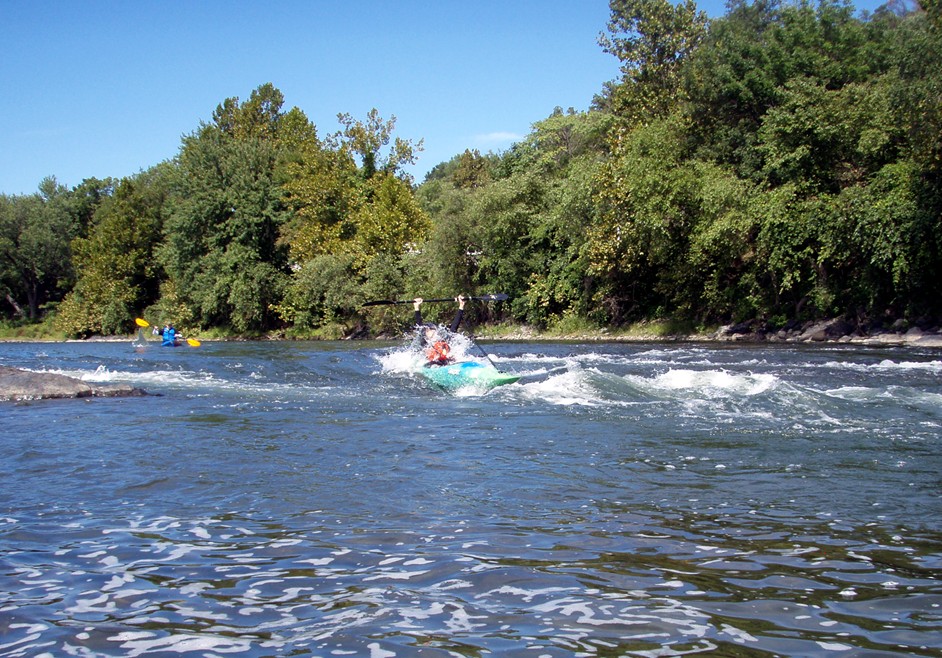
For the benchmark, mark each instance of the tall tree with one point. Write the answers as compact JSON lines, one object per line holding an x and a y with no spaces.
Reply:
{"x":222,"y":249}
{"x":117,"y":272}
{"x":353,"y":221}
{"x":367,"y":139}
{"x":35,"y":259}
{"x":652,"y":39}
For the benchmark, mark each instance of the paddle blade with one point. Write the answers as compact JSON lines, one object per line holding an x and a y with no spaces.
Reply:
{"x":141,"y":322}
{"x":192,"y":342}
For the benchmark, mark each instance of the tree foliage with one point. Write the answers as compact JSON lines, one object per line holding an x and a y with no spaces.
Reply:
{"x":781,"y":162}
{"x":35,"y":257}
{"x":792,"y":114}
{"x":221,"y":245}
{"x":652,"y":39}
{"x":117,"y":271}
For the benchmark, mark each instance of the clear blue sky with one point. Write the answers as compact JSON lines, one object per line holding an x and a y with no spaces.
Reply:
{"x":98,"y":88}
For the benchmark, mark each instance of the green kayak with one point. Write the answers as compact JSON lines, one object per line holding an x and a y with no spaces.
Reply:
{"x":467,"y":374}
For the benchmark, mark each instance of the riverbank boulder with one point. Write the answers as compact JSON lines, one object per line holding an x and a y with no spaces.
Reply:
{"x":836,"y":330}
{"x":18,"y":385}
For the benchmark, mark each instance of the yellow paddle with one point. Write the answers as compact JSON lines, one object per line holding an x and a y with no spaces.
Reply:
{"x":141,"y":322}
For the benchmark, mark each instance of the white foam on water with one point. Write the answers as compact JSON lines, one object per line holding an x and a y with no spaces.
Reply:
{"x":400,"y":361}
{"x":188,"y":380}
{"x":410,"y":360}
{"x":317,"y":562}
{"x":396,"y":575}
{"x":889,"y":394}
{"x":887,"y":365}
{"x":378,"y":652}
{"x":527,"y":595}
{"x":571,"y":388}
{"x":708,"y":383}
{"x":143,"y":642}
{"x":104,"y":375}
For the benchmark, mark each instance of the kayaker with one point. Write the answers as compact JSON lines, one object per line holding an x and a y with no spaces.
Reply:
{"x":169,"y":336}
{"x":437,"y":350}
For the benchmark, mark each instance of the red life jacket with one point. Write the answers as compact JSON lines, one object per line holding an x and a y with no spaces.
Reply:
{"x":439,"y":353}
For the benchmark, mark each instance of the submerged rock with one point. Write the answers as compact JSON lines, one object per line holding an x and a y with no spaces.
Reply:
{"x":16,"y":384}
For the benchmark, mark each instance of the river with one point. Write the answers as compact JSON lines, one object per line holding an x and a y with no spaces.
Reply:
{"x":622,"y":499}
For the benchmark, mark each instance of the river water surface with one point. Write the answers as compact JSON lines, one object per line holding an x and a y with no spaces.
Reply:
{"x":318,"y":499}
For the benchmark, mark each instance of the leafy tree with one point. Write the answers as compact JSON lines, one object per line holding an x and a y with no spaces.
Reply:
{"x":824,"y":140}
{"x":322,"y":189}
{"x":721,"y":271}
{"x":652,"y":39}
{"x":648,"y":198}
{"x":568,"y":150}
{"x":472,"y":170}
{"x":741,"y":70}
{"x":222,"y":246}
{"x":367,"y":139}
{"x":118,"y":275}
{"x":35,"y":260}
{"x":933,"y":9}
{"x":322,"y":291}
{"x":841,"y":147}
{"x":520,"y":226}
{"x":85,"y":198}
{"x":915,"y":87}
{"x":391,"y":223}
{"x":449,"y":257}
{"x":358,"y":216}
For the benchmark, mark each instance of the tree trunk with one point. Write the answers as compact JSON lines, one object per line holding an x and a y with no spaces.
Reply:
{"x":17,"y":310}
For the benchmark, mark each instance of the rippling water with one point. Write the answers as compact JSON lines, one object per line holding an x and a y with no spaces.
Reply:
{"x":280,"y":499}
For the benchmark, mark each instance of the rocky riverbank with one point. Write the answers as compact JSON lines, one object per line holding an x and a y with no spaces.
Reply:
{"x":19,"y":385}
{"x":834,"y":331}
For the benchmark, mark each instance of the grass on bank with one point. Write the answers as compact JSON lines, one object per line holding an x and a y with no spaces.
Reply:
{"x":573,"y":328}
{"x":35,"y":331}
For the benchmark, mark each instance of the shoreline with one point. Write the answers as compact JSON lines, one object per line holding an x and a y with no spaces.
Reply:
{"x":818,"y":334}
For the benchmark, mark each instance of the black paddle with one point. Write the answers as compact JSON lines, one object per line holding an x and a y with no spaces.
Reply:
{"x":486,"y":355}
{"x":499,"y":297}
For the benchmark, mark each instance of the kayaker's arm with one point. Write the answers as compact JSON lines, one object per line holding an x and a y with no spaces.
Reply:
{"x":459,"y":315}
{"x":416,"y":303}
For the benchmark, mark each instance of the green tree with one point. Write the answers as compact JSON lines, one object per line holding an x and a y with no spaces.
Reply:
{"x":742,"y":67}
{"x":117,"y":273}
{"x":472,"y":170}
{"x":648,"y":211}
{"x":448,"y":259}
{"x":652,"y":39}
{"x":358,"y":220}
{"x":222,"y":248}
{"x":520,"y":227}
{"x":35,"y":259}
{"x":824,"y":140}
{"x":85,"y":198}
{"x":367,"y":139}
{"x":322,"y":189}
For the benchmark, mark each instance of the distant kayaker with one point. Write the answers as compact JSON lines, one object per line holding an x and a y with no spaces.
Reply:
{"x":437,"y":349}
{"x":169,"y":336}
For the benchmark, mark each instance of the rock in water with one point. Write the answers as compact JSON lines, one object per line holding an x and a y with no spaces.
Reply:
{"x":16,"y":384}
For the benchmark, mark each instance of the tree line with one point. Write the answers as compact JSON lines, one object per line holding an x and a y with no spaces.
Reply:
{"x":779,"y":163}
